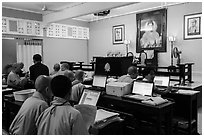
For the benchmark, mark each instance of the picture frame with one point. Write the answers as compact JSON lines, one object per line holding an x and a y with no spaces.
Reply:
{"x":151,"y":30}
{"x":118,"y":34}
{"x":192,"y":26}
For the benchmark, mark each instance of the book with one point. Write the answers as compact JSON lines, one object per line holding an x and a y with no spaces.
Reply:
{"x":92,"y":116}
{"x":103,"y":115}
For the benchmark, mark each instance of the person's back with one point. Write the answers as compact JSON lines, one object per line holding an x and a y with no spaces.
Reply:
{"x":38,"y":68}
{"x":56,"y":68}
{"x":77,"y":91}
{"x":61,"y":118}
{"x":79,"y":77}
{"x":24,"y":122}
{"x":14,"y":80}
{"x":129,"y":78}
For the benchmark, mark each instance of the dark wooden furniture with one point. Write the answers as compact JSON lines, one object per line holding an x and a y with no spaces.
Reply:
{"x":111,"y":126}
{"x":140,"y":111}
{"x":182,"y":71}
{"x":84,"y":67}
{"x":11,"y":109}
{"x":185,"y":112}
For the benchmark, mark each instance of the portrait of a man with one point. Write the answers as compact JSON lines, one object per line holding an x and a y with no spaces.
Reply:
{"x":193,"y":26}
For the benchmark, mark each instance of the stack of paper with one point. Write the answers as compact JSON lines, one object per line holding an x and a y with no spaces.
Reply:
{"x":88,"y":113}
{"x":155,"y":101}
{"x":187,"y":92}
{"x":103,"y":115}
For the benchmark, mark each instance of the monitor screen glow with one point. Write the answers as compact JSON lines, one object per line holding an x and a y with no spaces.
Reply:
{"x":99,"y":81}
{"x":161,"y":81}
{"x":142,"y":88}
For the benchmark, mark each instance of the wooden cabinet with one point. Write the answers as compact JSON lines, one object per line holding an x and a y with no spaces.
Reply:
{"x":185,"y":113}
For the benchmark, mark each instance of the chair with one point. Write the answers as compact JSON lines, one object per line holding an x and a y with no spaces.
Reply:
{"x":143,"y":57}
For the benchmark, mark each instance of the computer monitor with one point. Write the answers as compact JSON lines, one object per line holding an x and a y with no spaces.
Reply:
{"x":89,"y":97}
{"x":142,"y":88}
{"x":112,"y":66}
{"x":99,"y":81}
{"x":162,"y":81}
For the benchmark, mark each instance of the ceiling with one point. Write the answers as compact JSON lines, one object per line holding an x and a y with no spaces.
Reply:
{"x":53,"y":7}
{"x":37,"y":6}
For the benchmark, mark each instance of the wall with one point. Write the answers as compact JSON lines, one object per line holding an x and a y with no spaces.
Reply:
{"x":101,"y":36}
{"x":56,"y":50}
{"x":191,"y":49}
{"x":9,"y":44}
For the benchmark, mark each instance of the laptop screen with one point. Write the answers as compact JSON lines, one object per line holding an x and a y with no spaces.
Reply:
{"x":89,"y":97}
{"x":161,"y":81}
{"x":99,"y":81}
{"x":142,"y":88}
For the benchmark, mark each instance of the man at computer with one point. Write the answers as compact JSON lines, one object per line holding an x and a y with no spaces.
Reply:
{"x":130,"y":76}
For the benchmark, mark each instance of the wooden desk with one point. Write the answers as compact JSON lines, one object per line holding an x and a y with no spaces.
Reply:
{"x":111,"y":126}
{"x":196,"y":85}
{"x":185,"y":110}
{"x":140,"y":110}
{"x":11,"y":109}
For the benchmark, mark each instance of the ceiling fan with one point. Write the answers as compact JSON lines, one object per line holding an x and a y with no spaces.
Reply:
{"x":45,"y":8}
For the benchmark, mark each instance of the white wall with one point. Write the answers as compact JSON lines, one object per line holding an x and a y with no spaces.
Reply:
{"x":59,"y":49}
{"x":101,"y":36}
{"x":191,"y":49}
{"x":56,"y":50}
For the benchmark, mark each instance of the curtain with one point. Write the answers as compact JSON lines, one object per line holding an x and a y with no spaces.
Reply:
{"x":25,"y":52}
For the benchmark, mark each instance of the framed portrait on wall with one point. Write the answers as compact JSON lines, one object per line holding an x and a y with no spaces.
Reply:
{"x":118,"y":34}
{"x":192,"y":26}
{"x":151,"y":31}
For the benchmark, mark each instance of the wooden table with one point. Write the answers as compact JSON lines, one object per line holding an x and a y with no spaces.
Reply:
{"x":141,"y":111}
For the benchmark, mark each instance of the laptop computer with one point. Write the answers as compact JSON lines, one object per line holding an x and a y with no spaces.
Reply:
{"x":99,"y":83}
{"x":141,"y":91}
{"x":89,"y":97}
{"x":162,"y":82}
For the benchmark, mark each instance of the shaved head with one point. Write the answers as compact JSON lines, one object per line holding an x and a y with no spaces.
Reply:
{"x":42,"y":82}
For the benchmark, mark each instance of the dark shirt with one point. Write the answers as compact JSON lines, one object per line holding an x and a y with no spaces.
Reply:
{"x":37,"y":70}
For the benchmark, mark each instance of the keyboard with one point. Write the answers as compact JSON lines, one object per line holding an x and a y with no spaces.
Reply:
{"x":137,"y":97}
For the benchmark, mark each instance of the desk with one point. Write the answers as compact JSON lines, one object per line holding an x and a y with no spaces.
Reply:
{"x":185,"y":110}
{"x":196,"y":85}
{"x":111,"y":126}
{"x":11,"y":109}
{"x":138,"y":110}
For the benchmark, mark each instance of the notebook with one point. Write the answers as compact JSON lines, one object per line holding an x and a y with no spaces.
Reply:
{"x":141,"y":91}
{"x":89,"y":97}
